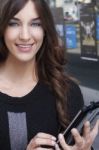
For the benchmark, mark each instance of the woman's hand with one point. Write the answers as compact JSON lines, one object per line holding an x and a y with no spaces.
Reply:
{"x":81,"y":142}
{"x":41,"y":139}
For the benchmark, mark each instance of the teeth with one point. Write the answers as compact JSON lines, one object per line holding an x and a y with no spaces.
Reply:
{"x":25,"y":46}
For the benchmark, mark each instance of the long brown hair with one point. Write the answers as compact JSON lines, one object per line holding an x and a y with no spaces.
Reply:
{"x":51,"y":56}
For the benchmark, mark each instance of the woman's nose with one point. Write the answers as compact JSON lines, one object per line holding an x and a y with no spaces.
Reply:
{"x":25,"y":34}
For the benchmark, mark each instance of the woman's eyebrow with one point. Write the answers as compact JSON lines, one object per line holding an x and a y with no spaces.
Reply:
{"x":33,"y":19}
{"x":16,"y":19}
{"x":36,"y":19}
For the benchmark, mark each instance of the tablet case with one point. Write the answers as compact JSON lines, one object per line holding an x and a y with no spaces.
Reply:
{"x":90,"y":113}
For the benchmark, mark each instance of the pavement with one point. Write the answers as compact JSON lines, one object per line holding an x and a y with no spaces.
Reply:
{"x":87,"y":72}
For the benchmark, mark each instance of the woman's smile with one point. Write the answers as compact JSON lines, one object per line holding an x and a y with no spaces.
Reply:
{"x":24,"y":47}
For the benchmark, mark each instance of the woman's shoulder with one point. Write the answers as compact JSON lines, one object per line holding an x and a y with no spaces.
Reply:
{"x":75,"y":99}
{"x":73,"y":87}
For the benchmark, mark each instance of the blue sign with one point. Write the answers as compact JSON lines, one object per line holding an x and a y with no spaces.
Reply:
{"x":97,"y":27}
{"x":71,"y":39}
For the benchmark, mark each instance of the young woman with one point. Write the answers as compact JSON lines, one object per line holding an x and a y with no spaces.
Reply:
{"x":37,"y":99}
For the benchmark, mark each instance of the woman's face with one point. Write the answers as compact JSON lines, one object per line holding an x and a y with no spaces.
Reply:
{"x":24,"y":34}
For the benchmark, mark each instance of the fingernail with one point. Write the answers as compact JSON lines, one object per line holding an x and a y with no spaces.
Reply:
{"x":53,"y":138}
{"x":60,"y":135}
{"x":73,"y":131}
{"x":87,"y":123}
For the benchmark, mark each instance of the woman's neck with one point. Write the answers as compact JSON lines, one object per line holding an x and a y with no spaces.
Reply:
{"x":17,"y":71}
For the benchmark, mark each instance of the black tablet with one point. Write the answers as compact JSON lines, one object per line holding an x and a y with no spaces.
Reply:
{"x":87,"y":113}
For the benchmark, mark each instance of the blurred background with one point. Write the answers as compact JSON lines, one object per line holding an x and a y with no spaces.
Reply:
{"x":77,"y":24}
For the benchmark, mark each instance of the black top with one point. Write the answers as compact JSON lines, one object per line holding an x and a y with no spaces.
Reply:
{"x":21,"y":118}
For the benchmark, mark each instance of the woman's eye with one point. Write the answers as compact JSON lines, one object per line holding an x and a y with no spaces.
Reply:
{"x":36,"y":24}
{"x":13,"y":24}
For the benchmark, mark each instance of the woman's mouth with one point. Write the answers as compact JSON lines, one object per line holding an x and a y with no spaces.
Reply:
{"x":24,"y":47}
